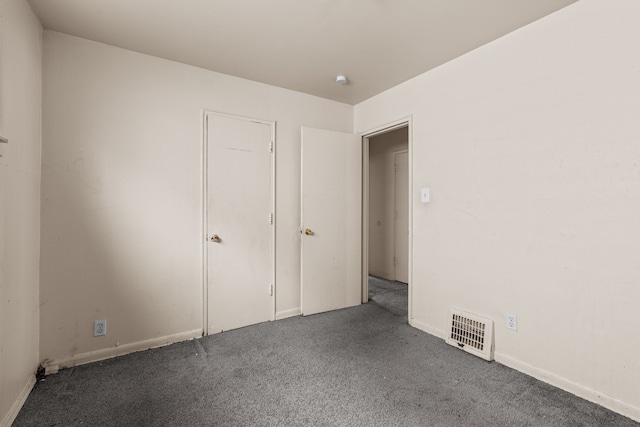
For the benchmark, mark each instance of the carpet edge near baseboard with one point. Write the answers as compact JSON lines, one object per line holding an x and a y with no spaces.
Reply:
{"x":602,"y":399}
{"x":19,"y":402}
{"x":119,"y":350}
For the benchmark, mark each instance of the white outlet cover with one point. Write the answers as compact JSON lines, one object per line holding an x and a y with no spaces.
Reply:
{"x":99,"y":328}
{"x":512,"y":321}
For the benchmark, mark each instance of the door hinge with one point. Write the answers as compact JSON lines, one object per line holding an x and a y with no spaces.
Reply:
{"x":271,"y":218}
{"x":395,"y":168}
{"x":271,"y":146}
{"x":395,"y":260}
{"x":271,"y":290}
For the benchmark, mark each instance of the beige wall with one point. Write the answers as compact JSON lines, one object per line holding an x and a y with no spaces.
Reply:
{"x":382,"y":151}
{"x":122,"y":194}
{"x":530,"y":146}
{"x":20,"y":106}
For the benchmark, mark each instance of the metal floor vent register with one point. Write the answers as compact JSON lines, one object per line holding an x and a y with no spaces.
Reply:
{"x":471,"y":333}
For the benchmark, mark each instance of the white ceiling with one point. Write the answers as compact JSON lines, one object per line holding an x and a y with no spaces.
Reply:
{"x":299,"y":44}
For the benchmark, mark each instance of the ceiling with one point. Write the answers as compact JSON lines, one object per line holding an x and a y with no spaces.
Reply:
{"x":299,"y":44}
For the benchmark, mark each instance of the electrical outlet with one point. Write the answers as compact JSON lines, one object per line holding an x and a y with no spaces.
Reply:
{"x":99,"y":328}
{"x":512,"y":321}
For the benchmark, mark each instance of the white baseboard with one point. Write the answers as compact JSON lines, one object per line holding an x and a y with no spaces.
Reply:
{"x":586,"y":393}
{"x":381,"y":275}
{"x":427,"y":328}
{"x":17,"y":405}
{"x":288,"y":313}
{"x":121,"y":350}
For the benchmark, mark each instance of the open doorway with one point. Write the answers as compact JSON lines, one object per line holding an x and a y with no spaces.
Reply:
{"x":386,"y":219}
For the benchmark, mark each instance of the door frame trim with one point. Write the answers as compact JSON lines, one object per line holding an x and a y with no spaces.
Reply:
{"x":366,"y":136}
{"x":395,"y":219}
{"x":205,"y":210}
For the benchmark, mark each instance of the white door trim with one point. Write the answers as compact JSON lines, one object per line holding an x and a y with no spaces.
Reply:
{"x":366,"y":136}
{"x":395,"y":216}
{"x":205,"y":211}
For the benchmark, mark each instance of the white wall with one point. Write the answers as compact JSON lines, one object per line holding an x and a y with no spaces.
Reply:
{"x":122,"y":193}
{"x":20,"y":106}
{"x":531,"y":148}
{"x":382,"y":149}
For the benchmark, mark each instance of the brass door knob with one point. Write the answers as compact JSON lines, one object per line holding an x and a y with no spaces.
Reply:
{"x":215,"y":238}
{"x":308,"y":232}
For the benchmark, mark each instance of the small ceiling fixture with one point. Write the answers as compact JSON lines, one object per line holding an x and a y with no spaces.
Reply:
{"x":342,"y":80}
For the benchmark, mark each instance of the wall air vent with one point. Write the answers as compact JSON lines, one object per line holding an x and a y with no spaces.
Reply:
{"x":471,"y":333}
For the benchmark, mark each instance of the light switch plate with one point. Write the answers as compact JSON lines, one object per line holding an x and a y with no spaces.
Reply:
{"x":425,"y":195}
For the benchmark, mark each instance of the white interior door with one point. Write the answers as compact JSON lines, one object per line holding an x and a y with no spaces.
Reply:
{"x":401,"y":229}
{"x":331,"y":220}
{"x":239,"y":222}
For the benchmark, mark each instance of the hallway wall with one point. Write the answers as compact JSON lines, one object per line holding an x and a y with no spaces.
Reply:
{"x":381,"y":200}
{"x":530,"y":147}
{"x":20,"y":123}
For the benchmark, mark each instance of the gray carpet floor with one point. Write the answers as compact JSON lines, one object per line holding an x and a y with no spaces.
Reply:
{"x":362,"y":366}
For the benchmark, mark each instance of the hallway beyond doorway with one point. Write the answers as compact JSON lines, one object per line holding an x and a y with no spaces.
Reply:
{"x":390,"y":295}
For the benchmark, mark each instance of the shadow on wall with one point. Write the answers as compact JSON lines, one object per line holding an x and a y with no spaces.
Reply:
{"x":119,"y":244}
